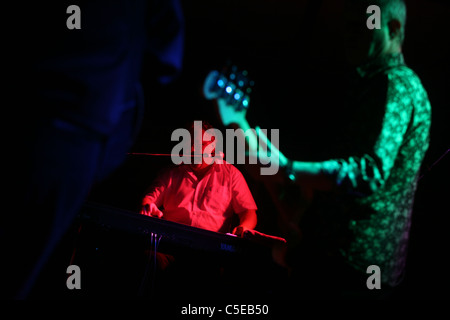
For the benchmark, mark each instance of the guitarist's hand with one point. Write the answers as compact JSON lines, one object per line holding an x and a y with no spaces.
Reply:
{"x":229,"y":114}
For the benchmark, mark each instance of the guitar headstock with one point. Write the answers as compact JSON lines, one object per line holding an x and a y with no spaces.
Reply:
{"x":231,"y":85}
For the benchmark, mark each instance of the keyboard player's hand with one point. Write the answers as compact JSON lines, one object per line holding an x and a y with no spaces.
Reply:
{"x":151,"y":210}
{"x":239,"y":230}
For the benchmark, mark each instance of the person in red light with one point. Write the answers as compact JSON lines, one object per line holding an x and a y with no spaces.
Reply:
{"x":206,"y":194}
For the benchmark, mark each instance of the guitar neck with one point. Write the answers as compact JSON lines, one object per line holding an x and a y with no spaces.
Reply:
{"x":230,"y":100}
{"x":258,"y":142}
{"x":250,"y":136}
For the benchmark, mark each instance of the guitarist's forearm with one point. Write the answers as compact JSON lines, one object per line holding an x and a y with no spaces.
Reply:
{"x":307,"y":168}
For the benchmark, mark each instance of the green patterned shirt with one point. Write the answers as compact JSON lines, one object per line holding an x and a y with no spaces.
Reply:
{"x":378,"y":181}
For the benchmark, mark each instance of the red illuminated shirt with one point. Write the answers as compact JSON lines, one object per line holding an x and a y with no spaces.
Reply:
{"x":208,"y":203}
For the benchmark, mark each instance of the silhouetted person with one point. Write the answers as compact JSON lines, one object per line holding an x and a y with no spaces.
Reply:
{"x":76,"y":105}
{"x":360,"y":214}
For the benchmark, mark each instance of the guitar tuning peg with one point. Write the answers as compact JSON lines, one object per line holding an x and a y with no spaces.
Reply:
{"x":244,"y":103}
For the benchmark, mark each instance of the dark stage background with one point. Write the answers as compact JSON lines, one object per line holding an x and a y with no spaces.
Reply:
{"x":294,"y":53}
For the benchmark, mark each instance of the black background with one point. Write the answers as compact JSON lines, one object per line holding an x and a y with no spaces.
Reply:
{"x":293,"y":51}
